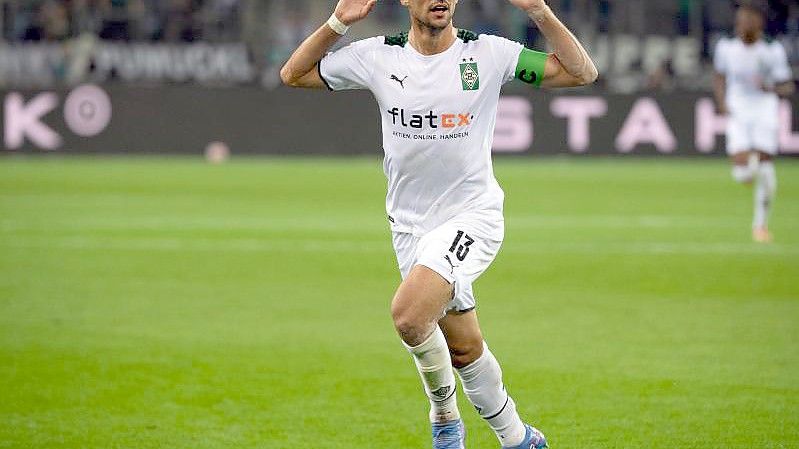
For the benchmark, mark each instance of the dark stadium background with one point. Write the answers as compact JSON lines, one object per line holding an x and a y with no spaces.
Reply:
{"x":214,"y":65}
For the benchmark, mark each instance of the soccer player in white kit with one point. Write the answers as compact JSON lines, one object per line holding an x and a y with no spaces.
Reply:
{"x":751,"y":75}
{"x":438,"y":89}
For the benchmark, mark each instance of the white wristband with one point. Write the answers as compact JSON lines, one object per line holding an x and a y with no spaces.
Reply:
{"x":337,"y":25}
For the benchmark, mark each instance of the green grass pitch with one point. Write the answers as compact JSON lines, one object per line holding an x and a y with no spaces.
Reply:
{"x":167,"y":303}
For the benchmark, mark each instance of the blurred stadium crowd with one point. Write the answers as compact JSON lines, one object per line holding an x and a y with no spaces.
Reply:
{"x":191,"y":20}
{"x":126,"y":20}
{"x":622,"y":34}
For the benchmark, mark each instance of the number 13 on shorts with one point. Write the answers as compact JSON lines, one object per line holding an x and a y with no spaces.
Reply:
{"x":460,"y":246}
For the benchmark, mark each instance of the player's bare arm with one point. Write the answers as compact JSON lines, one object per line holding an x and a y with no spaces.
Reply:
{"x":720,"y":92}
{"x":783,"y":90}
{"x":301,"y":70}
{"x":569,"y":65}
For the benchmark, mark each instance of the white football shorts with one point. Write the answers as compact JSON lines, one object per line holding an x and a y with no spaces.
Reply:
{"x":750,"y":132}
{"x":459,"y":250}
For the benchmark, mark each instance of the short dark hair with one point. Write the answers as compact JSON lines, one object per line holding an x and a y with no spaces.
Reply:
{"x":753,"y":6}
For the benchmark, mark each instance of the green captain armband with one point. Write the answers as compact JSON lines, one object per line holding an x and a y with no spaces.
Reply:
{"x":530,"y":68}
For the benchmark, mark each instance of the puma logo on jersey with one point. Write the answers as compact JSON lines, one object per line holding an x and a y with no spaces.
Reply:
{"x":451,"y":264}
{"x":400,"y":81}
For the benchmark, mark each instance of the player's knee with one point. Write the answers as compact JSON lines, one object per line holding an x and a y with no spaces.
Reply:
{"x":412,"y":332}
{"x":466,"y":352}
{"x":412,"y":328}
{"x":742,"y":174}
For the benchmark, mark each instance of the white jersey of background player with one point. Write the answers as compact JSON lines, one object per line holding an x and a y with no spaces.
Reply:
{"x":751,"y":74}
{"x":438,"y":89}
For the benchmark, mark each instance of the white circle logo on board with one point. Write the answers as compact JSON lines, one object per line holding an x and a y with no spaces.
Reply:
{"x":87,"y":110}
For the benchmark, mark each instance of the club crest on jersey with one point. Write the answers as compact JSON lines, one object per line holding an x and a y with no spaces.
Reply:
{"x":470,"y":76}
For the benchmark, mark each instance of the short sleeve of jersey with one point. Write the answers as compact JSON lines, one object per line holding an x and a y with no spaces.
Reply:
{"x":506,"y":55}
{"x":349,"y":67}
{"x":719,"y":57}
{"x":781,"y":70}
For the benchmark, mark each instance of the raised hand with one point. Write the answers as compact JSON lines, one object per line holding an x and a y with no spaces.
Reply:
{"x":529,"y":6}
{"x":351,"y":11}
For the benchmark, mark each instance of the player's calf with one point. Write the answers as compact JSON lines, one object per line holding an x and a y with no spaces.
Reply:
{"x":434,"y":365}
{"x":417,"y":306}
{"x":765,"y":192}
{"x":483,"y":385}
{"x":464,"y":337}
{"x":766,"y":173}
{"x":466,"y":352}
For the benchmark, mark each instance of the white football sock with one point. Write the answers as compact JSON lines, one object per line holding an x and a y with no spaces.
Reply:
{"x":435,"y":368}
{"x":482,"y":382}
{"x":765,"y":191}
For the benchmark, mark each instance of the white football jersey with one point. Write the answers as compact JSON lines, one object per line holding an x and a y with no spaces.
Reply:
{"x":745,"y":68}
{"x":438,"y":114}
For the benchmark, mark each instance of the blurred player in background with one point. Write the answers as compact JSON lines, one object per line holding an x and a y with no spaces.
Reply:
{"x":438,"y":89}
{"x":751,"y":74}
